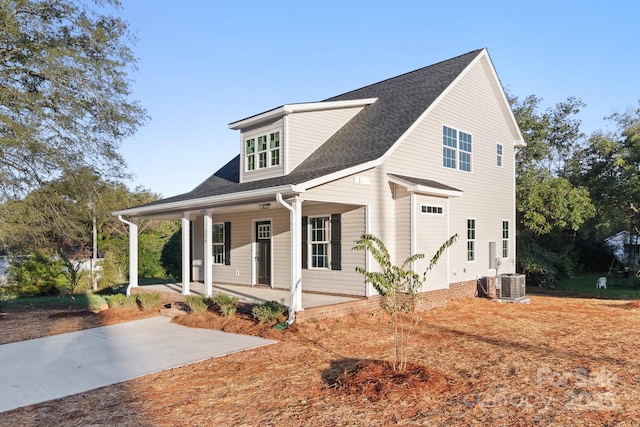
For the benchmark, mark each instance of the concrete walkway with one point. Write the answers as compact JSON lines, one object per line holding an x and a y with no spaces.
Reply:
{"x":48,"y":368}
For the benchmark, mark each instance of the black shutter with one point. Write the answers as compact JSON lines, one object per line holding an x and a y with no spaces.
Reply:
{"x":305,"y":248}
{"x":336,"y":246}
{"x":227,"y":243}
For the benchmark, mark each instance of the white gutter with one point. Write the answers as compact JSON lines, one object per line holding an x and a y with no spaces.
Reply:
{"x":203,"y":202}
{"x":300,"y":108}
{"x":295,"y":226}
{"x":133,"y":254}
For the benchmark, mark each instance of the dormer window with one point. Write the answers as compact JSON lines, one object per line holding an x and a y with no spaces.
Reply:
{"x":263,"y":154}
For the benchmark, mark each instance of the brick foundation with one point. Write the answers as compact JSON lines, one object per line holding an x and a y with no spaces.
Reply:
{"x":425,"y":301}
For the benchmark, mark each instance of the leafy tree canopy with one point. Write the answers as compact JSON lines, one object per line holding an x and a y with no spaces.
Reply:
{"x":609,"y":165}
{"x":63,"y":91}
{"x":57,"y":217}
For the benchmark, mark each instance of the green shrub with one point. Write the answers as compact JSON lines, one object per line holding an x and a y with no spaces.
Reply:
{"x":226,"y":303}
{"x":121,"y":300}
{"x":37,"y":274}
{"x":269,"y":311}
{"x":149,"y":300}
{"x":96,"y":302}
{"x":110,"y":276}
{"x":6,"y":297}
{"x":197,"y":304}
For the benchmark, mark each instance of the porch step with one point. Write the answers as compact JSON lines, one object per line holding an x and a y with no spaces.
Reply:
{"x":173,"y":310}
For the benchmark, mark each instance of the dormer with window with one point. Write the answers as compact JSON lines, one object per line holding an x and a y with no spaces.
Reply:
{"x":262,"y":152}
{"x":275,"y":142}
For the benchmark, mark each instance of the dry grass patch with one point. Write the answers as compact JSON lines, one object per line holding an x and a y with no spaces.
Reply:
{"x":556,"y":361}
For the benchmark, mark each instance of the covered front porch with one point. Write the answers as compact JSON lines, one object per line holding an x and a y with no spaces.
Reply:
{"x":267,"y":247}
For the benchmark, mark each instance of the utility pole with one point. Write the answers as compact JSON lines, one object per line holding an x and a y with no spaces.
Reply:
{"x":94,"y":255}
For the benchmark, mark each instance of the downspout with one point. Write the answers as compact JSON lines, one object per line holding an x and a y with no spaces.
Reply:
{"x":133,"y":254}
{"x":296,"y":279}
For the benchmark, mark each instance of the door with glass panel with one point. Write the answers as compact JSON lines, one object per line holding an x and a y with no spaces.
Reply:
{"x":263,"y":252}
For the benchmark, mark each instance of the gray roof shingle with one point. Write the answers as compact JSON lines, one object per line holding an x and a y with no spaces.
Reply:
{"x":425,"y":182}
{"x":366,"y":137}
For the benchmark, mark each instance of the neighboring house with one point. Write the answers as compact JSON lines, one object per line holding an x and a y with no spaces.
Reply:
{"x":413,"y":160}
{"x":626,"y":248}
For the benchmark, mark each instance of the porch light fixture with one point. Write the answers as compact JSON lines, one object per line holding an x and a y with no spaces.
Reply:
{"x":264,"y":206}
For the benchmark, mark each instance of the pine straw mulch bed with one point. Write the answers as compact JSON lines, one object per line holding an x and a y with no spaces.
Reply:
{"x":556,"y":361}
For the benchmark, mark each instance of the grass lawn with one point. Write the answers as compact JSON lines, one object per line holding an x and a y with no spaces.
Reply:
{"x":52,"y":302}
{"x":617,"y":288}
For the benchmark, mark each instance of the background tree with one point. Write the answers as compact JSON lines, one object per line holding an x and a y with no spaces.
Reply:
{"x":609,"y":165}
{"x":550,"y":208}
{"x":63,"y":91}
{"x":56,"y":221}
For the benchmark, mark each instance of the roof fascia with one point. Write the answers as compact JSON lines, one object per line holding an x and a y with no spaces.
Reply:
{"x":300,"y":108}
{"x":424,"y":189}
{"x":211,"y":201}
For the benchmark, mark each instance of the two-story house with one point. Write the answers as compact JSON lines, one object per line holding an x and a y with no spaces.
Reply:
{"x":412,"y":159}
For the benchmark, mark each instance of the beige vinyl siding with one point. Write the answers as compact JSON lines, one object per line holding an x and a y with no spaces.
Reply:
{"x":347,"y":280}
{"x":431,"y":233}
{"x":255,"y":132}
{"x":308,"y":131}
{"x":281,"y":250}
{"x":197,"y":234}
{"x":242,"y":256}
{"x":402,"y":222}
{"x":370,"y":188}
{"x":472,"y":106}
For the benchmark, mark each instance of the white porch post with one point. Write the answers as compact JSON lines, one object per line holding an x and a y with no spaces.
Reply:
{"x":133,"y":253}
{"x":186,"y":256}
{"x":208,"y":255}
{"x":295,"y":232}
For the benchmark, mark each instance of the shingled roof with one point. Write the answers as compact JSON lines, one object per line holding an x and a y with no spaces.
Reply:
{"x":365,"y":138}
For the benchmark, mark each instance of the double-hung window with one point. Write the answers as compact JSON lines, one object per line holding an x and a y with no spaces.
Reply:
{"x":262,"y":151}
{"x":457,"y":147}
{"x":249,"y":152}
{"x":217,"y":240}
{"x":499,"y":155}
{"x":319,"y":241}
{"x":505,"y":239}
{"x":471,"y":239}
{"x":274,"y":148}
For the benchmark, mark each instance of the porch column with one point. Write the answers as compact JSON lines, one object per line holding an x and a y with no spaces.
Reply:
{"x":133,"y":253}
{"x":186,"y":255}
{"x":296,"y":254}
{"x":208,"y":255}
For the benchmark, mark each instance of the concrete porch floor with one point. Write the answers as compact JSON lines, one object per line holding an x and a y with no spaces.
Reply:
{"x":254,"y":294}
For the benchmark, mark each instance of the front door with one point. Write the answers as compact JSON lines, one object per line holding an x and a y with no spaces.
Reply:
{"x":263,"y":252}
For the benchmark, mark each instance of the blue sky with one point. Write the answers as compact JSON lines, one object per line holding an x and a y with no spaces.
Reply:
{"x":206,"y":63}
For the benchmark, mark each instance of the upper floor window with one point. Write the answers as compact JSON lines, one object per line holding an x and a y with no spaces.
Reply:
{"x":499,"y":154}
{"x":456,"y":149}
{"x":262,"y":152}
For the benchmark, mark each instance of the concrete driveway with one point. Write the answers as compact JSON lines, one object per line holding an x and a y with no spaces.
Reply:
{"x":48,"y":368}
